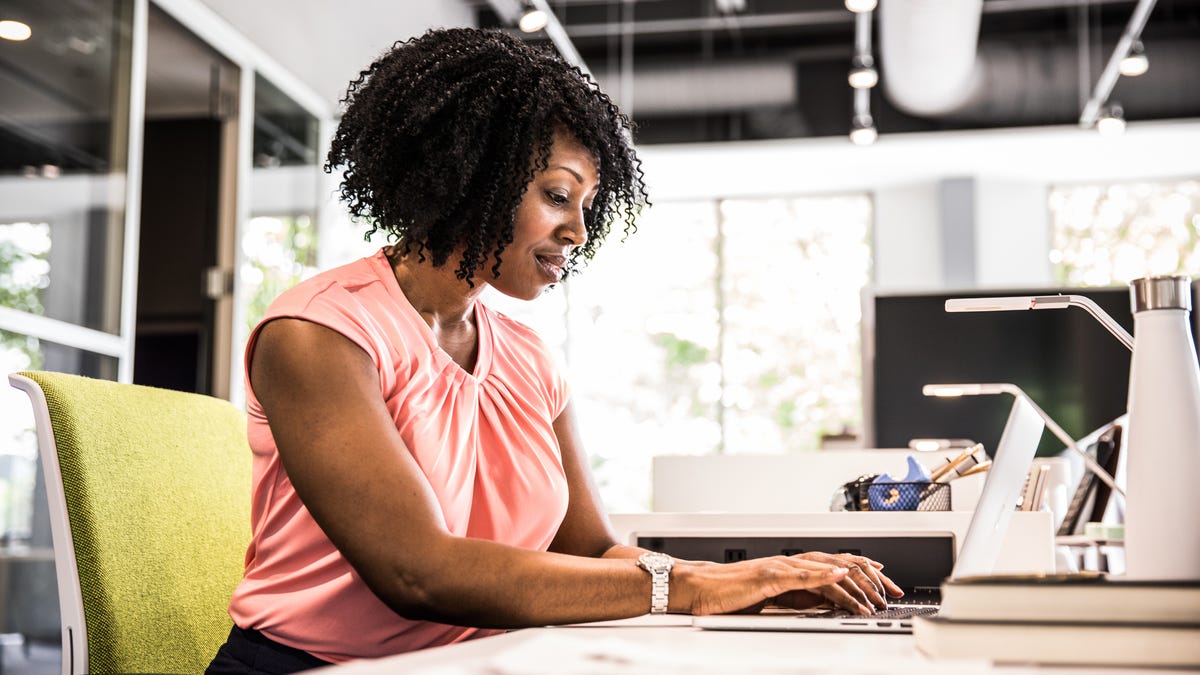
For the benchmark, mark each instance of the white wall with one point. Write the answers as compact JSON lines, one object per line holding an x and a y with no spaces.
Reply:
{"x":1012,"y":169}
{"x":1012,"y":234}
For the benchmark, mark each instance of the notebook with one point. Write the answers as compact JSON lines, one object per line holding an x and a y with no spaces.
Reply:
{"x":980,"y":547}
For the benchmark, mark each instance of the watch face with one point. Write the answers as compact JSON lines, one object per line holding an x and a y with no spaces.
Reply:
{"x":656,"y":562}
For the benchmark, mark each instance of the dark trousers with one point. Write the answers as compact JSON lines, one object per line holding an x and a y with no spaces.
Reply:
{"x":249,"y":652}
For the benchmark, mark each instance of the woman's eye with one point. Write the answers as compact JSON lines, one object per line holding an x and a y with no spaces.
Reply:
{"x":556,"y":198}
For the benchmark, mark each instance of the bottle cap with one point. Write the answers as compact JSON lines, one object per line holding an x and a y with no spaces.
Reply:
{"x":1165,"y":292}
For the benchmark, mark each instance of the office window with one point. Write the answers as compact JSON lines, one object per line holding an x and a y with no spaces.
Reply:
{"x":643,"y":345}
{"x":1113,"y":233}
{"x":280,"y":252}
{"x":62,"y":159}
{"x":718,"y":327}
{"x":24,"y":265}
{"x":62,"y":206}
{"x":793,"y":273}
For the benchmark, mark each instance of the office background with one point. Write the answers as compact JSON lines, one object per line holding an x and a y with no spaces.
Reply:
{"x":160,"y":182}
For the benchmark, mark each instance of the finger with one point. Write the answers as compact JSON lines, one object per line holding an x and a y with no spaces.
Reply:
{"x":838,"y":595}
{"x":872,"y":595}
{"x":806,"y":574}
{"x":858,"y":592}
{"x":882,"y":582}
{"x":867,"y":578}
{"x":878,"y":589}
{"x":799,"y":599}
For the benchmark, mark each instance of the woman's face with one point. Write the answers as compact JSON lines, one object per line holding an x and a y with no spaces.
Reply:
{"x":549,"y":221}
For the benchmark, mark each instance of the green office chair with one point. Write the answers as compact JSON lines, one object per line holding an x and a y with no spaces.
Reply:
{"x":150,"y":506}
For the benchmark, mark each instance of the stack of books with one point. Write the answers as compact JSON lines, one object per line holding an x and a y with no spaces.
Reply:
{"x":1071,"y":619}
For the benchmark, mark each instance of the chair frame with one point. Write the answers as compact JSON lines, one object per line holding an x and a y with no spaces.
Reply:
{"x":70,"y":595}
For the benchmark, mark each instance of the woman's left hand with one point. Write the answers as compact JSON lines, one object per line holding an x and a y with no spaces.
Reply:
{"x":865,"y":584}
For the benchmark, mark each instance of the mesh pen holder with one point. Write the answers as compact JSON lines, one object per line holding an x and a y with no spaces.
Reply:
{"x":905,"y":496}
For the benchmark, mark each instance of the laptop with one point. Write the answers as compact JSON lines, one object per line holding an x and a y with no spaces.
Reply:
{"x":980,"y":548}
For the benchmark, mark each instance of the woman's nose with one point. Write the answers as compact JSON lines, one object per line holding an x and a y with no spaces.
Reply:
{"x":574,"y":231}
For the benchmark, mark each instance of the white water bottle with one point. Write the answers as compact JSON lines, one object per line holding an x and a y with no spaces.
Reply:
{"x":1162,"y":537}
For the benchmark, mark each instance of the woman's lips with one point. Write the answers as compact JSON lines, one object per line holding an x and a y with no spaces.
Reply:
{"x":551,"y":265}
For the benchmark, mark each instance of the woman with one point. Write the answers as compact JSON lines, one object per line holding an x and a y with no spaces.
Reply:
{"x":419,"y":477}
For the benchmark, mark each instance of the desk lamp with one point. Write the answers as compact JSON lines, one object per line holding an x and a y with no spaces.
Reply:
{"x":1042,"y":302}
{"x":1164,"y":419}
{"x":956,"y":390}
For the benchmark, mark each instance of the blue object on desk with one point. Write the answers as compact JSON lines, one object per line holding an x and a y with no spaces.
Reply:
{"x":889,"y":494}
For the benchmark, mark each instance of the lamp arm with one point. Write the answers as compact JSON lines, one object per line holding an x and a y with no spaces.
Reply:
{"x":1066,"y":439}
{"x":1102,"y":316}
{"x":1018,"y":302}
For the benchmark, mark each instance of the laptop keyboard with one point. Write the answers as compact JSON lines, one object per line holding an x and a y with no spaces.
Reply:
{"x":891,"y":613}
{"x":903,"y":612}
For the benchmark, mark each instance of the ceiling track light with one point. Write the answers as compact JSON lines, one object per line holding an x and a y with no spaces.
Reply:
{"x":863,"y":75}
{"x":859,"y":6}
{"x":862,"y":72}
{"x":515,"y":11}
{"x":15,"y":30}
{"x":1111,"y":121}
{"x":532,"y":20}
{"x":1112,"y":70}
{"x":862,"y":130}
{"x":1135,"y":62}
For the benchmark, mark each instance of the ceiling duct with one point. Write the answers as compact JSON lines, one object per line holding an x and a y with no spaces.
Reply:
{"x":673,"y":88}
{"x":1033,"y":82}
{"x":935,"y":66}
{"x":928,"y":53}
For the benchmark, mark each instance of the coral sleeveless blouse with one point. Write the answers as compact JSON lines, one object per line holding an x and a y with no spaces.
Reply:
{"x":484,"y":440}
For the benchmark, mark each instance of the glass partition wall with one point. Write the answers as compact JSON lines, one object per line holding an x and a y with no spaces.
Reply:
{"x":129,"y":131}
{"x":65,"y":174}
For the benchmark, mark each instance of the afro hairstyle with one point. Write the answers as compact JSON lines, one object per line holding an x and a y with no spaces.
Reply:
{"x":442,"y":134}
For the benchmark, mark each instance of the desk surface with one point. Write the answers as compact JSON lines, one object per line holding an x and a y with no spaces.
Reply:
{"x":658,"y":646}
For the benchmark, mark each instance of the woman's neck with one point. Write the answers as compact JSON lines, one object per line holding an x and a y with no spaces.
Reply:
{"x":439,"y":296}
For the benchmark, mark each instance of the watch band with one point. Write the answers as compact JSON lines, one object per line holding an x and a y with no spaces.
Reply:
{"x":659,"y":566}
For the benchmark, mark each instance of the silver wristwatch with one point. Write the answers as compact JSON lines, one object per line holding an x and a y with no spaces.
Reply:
{"x":659,"y":566}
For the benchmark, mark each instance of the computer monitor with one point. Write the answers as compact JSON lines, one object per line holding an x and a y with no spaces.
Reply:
{"x":1064,"y":359}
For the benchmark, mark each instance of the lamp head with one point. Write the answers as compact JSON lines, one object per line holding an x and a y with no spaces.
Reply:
{"x":956,"y":390}
{"x":533,"y":20}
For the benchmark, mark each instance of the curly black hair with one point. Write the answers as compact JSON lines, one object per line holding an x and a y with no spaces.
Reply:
{"x":442,"y":134}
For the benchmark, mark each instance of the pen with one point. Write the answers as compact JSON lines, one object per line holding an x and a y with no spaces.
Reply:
{"x":941,"y":472}
{"x":978,"y":468}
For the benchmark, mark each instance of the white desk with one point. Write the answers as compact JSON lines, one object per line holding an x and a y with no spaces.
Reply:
{"x":645,"y":647}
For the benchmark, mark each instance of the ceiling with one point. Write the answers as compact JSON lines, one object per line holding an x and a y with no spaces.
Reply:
{"x":685,"y":70}
{"x":727,"y":70}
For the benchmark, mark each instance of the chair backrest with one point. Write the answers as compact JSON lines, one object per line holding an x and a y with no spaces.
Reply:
{"x":150,"y":506}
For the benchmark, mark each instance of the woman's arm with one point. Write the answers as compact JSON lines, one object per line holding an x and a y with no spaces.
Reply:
{"x":586,"y":531}
{"x":350,"y":468}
